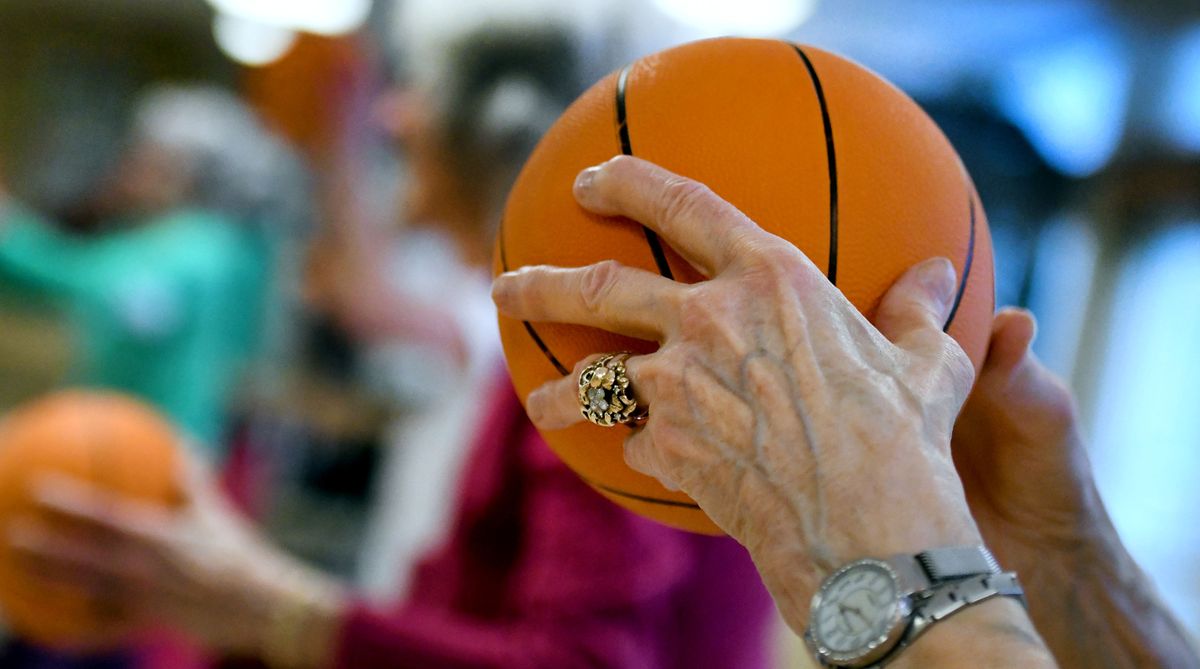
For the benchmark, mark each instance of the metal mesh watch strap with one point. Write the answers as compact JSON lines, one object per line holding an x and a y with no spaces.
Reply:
{"x":950,"y":598}
{"x":953,"y":596}
{"x":955,"y":562}
{"x":955,"y":577}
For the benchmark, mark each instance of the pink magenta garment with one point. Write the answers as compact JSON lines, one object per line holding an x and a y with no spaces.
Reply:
{"x":541,"y":572}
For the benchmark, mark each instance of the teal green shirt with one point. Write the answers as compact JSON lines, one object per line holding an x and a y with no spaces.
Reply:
{"x":167,"y":310}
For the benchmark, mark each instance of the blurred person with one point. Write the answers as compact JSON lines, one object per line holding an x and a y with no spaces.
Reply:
{"x":1016,"y":433}
{"x":529,"y":567}
{"x":162,"y":271}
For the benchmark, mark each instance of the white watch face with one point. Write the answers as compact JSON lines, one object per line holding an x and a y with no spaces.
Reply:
{"x":858,"y":612}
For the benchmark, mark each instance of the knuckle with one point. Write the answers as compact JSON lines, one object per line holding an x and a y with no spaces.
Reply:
{"x":671,"y":443}
{"x":713,"y":325}
{"x":781,"y":263}
{"x":699,"y":307}
{"x":597,"y":283}
{"x":672,"y":301}
{"x":662,"y":436}
{"x":579,"y":367}
{"x":614,"y":172}
{"x":958,"y":364}
{"x":618,"y":166}
{"x":770,"y":260}
{"x":637,"y":452}
{"x":521,"y":288}
{"x":778,"y":253}
{"x":681,"y":198}
{"x":641,"y":370}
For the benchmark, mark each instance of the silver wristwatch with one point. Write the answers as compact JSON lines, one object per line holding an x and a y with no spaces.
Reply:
{"x":867,"y":611}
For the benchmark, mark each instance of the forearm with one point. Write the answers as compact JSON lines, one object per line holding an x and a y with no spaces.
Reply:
{"x":1096,"y":608}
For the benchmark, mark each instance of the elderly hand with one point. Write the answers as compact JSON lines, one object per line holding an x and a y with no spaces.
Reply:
{"x":1020,"y":455}
{"x":1029,"y":483}
{"x":201,"y":569}
{"x":808,"y":434}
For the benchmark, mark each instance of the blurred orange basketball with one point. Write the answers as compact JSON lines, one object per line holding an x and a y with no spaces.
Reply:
{"x":107,"y":440}
{"x":813,"y":147}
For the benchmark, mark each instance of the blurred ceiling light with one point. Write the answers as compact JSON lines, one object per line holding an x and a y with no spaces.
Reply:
{"x":1071,"y":100}
{"x":745,"y":17}
{"x":324,"y":17}
{"x":1181,"y":105}
{"x":250,"y":42}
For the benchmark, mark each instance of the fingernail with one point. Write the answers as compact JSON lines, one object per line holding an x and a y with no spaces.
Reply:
{"x":500,"y":289}
{"x":584,"y":181}
{"x":1033,"y":326}
{"x":533,"y":407}
{"x":938,"y":278}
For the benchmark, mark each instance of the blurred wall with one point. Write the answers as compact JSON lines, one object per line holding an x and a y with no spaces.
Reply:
{"x":68,"y":72}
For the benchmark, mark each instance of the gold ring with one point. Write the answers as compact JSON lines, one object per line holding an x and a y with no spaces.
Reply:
{"x":605,"y":397}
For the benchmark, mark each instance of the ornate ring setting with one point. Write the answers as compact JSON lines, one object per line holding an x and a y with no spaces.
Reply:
{"x":605,"y":396}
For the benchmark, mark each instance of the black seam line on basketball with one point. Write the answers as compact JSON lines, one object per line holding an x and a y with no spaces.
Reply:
{"x":545,"y":349}
{"x":962,"y":286}
{"x":642,"y":498}
{"x":652,"y":240}
{"x":831,"y":155}
{"x":537,"y":339}
{"x":622,"y":121}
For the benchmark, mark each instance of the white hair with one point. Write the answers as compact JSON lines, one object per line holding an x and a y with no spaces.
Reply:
{"x":238,"y":164}
{"x":421,"y":33}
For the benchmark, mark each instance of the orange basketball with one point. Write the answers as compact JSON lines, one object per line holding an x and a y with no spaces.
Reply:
{"x":813,"y":147}
{"x":108,"y":440}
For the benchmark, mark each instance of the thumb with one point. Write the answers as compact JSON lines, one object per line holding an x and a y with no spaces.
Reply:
{"x":1013,"y":331}
{"x":918,"y":304}
{"x":194,"y":477}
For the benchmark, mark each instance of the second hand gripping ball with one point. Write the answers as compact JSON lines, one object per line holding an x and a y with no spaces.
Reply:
{"x":104,"y":439}
{"x":812,"y":147}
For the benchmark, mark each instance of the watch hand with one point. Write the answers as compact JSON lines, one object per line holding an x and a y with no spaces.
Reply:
{"x":847,"y":623}
{"x":858,"y":612}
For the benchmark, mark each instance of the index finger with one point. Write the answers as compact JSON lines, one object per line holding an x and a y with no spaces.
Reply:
{"x":99,"y":512}
{"x":707,"y":231}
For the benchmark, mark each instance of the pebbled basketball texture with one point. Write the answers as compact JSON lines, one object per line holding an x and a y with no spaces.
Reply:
{"x":811,"y":146}
{"x":108,"y":440}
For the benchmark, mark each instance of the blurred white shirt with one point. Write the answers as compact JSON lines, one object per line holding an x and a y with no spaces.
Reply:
{"x":417,"y":482}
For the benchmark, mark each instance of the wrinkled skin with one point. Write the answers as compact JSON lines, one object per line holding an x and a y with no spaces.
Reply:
{"x":1029,"y":483}
{"x":1019,"y":451}
{"x":805,"y":432}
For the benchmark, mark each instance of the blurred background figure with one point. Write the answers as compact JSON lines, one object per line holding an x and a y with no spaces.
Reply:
{"x":161,"y":276}
{"x":521,"y":563}
{"x":163,"y":270}
{"x":1078,"y":120}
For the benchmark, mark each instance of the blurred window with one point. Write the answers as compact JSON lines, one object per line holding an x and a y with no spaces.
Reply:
{"x":1180,"y":110}
{"x":1146,"y":430}
{"x":1059,"y":284}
